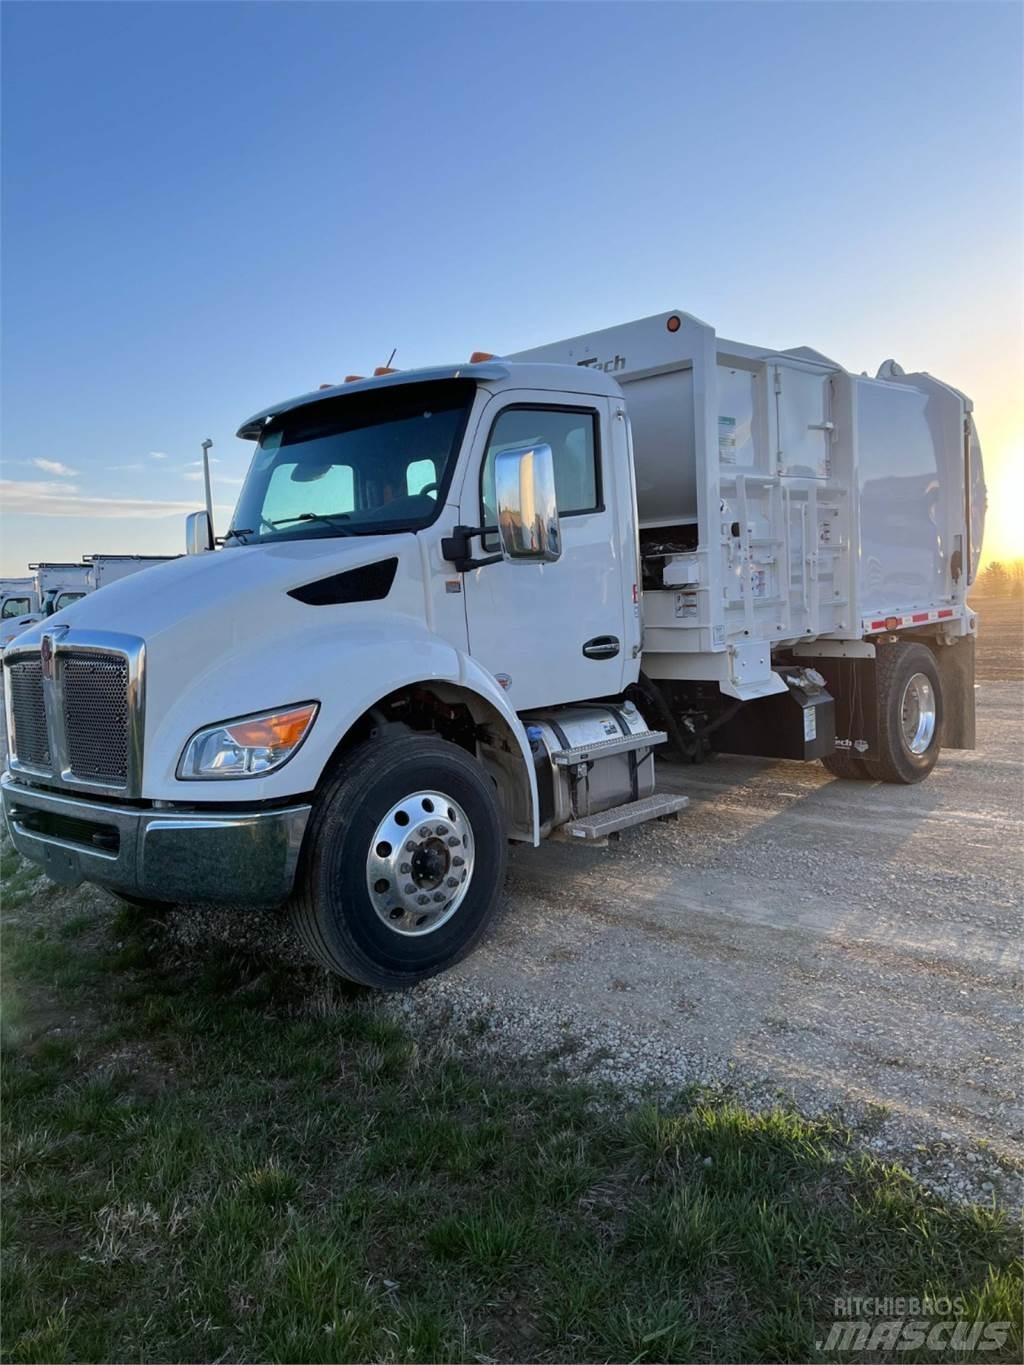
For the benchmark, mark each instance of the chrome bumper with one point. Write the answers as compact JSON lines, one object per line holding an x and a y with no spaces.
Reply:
{"x":245,"y":858}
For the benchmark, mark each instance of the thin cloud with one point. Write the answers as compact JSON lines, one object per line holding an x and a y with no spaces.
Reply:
{"x":37,"y":498}
{"x":220,"y":478}
{"x":158,"y":455}
{"x":198,"y":464}
{"x":133,"y":467}
{"x":55,"y":467}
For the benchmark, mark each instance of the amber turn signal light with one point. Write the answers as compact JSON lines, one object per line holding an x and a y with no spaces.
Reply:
{"x":280,"y":731}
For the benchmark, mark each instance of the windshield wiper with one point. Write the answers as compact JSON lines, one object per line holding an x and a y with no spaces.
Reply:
{"x":329,"y":519}
{"x":237,"y":532}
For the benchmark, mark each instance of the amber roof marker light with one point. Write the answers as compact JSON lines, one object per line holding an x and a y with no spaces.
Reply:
{"x":478,"y":357}
{"x":674,"y":323}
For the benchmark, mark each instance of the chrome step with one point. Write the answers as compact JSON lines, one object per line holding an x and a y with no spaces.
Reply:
{"x":604,"y":748}
{"x":607,"y":822}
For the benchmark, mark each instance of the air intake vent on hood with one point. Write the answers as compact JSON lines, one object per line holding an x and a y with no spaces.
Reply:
{"x":368,"y":583}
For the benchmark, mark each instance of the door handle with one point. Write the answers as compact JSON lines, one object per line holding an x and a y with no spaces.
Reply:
{"x":601,"y":647}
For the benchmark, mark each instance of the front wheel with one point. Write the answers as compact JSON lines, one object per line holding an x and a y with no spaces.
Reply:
{"x":404,"y":862}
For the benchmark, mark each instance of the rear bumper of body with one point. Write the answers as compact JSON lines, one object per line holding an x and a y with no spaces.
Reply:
{"x":229,"y":857}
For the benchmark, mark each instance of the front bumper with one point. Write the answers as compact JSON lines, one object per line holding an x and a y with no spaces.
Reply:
{"x":226,"y":857}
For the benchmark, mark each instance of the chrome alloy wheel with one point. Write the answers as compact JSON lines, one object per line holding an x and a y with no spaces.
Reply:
{"x":918,"y":713}
{"x":420,"y":863}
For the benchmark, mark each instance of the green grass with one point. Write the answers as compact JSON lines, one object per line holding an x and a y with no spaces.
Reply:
{"x":201,"y":1164}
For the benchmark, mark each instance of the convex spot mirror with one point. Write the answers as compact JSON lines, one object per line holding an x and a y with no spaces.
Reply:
{"x":198,"y":533}
{"x":524,"y":491}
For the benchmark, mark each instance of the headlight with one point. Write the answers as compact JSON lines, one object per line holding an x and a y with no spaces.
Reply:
{"x":249,"y":746}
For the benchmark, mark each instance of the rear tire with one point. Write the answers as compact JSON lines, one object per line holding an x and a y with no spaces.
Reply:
{"x":849,"y":767}
{"x":910,"y":714}
{"x":403,"y":864}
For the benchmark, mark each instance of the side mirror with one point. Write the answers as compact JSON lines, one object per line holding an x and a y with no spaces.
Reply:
{"x":198,"y":533}
{"x":524,"y":490}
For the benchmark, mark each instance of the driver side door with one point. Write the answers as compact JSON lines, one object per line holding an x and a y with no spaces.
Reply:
{"x":550,"y":632}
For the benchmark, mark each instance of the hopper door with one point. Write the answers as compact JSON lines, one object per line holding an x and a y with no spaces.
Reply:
{"x":803,"y":423}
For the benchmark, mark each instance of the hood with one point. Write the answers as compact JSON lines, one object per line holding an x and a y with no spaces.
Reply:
{"x":234,"y":589}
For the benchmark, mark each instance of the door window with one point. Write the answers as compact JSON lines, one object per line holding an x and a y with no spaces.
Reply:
{"x":65,"y":599}
{"x":572,"y":435}
{"x":16,"y":606}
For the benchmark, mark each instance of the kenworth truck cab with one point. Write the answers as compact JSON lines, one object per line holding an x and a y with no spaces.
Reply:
{"x":455,"y":608}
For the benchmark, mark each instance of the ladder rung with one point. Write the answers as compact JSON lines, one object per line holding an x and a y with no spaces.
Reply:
{"x":625,"y":817}
{"x":604,"y":748}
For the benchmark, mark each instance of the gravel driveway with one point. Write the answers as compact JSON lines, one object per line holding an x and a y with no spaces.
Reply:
{"x":846,"y":944}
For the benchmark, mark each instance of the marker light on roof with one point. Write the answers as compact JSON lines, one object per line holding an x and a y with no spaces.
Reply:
{"x":478,"y":357}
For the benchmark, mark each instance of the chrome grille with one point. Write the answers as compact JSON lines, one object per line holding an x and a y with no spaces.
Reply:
{"x":30,"y":741}
{"x":95,"y":695}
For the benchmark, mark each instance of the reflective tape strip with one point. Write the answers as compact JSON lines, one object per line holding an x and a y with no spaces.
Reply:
{"x":913,"y":619}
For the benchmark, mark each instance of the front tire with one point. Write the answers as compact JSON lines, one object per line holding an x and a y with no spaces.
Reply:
{"x":909,"y":714}
{"x":403,"y":864}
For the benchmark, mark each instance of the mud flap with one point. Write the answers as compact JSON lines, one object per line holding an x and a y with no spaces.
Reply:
{"x":956,"y":675}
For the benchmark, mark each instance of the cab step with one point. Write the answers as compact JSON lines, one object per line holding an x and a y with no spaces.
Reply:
{"x":605,"y":748}
{"x":606,"y":822}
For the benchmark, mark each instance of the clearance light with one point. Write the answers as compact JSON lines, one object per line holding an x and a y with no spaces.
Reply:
{"x":478,"y":357}
{"x":248,"y":747}
{"x":891,"y":622}
{"x":327,"y":386}
{"x":383,"y":369}
{"x":354,"y":378}
{"x":674,"y":323}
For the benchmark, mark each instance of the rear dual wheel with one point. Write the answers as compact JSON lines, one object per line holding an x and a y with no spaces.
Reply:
{"x":910,"y":716}
{"x":404,"y":862}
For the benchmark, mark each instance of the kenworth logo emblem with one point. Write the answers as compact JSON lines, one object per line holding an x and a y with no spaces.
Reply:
{"x":46,"y":650}
{"x":617,"y":362}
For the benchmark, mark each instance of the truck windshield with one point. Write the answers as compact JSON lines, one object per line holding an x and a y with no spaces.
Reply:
{"x":359,"y":464}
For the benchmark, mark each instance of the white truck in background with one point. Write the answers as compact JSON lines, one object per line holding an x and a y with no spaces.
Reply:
{"x":58,"y":585}
{"x":464,"y":605}
{"x":107,"y":569}
{"x":17,"y":598}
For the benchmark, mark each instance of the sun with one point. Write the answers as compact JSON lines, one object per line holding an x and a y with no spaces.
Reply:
{"x":1004,"y":525}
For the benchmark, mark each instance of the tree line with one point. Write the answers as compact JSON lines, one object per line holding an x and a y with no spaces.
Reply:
{"x":1001,"y":578}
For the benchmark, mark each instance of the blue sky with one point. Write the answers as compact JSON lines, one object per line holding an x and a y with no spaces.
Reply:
{"x":208,"y":207}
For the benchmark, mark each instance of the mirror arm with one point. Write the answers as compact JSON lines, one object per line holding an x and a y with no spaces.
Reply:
{"x":456,"y":547}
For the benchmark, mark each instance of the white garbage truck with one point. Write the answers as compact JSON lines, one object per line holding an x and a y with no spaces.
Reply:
{"x":465,"y":605}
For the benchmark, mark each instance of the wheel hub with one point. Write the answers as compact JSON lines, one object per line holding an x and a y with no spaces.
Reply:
{"x":429,"y":864}
{"x":420,"y":863}
{"x":918,"y":714}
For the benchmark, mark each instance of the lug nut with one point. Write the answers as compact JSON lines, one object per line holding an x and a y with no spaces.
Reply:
{"x":422,"y":900}
{"x":410,"y":847}
{"x":439,"y":895}
{"x":424,"y":831}
{"x":453,"y":842}
{"x":442,"y":829}
{"x":457,"y":862}
{"x":404,"y":867}
{"x":452,"y":881}
{"x":409,"y":890}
